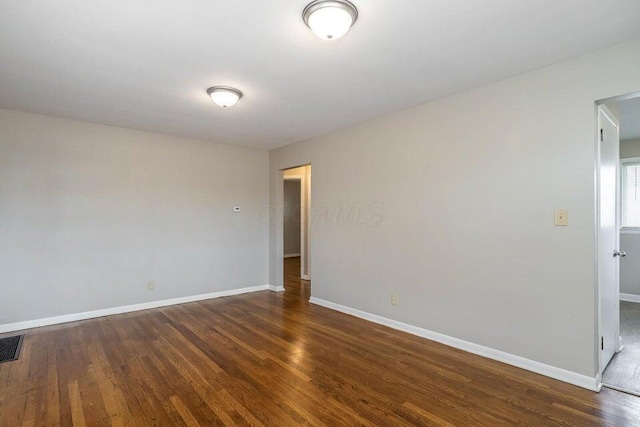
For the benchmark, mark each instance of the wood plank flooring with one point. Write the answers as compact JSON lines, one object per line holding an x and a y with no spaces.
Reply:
{"x":268,"y":359}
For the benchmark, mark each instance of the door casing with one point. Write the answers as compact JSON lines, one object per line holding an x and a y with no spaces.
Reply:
{"x":603,"y":110}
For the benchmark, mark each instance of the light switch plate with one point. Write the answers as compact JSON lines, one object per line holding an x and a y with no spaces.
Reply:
{"x":561,"y":217}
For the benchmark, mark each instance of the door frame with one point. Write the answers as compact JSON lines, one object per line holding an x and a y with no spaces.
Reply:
{"x":303,"y":249}
{"x":601,"y":107}
{"x":598,"y":104}
{"x":279,"y":223}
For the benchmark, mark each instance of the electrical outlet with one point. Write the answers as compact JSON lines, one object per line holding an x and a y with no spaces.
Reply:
{"x":394,"y":299}
{"x":151,"y":285}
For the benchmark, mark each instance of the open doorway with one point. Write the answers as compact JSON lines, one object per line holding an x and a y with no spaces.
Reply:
{"x":622,"y":368}
{"x":296,"y":231}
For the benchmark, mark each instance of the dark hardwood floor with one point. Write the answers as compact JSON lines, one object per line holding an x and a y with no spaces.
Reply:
{"x":274,"y":359}
{"x":294,"y":285}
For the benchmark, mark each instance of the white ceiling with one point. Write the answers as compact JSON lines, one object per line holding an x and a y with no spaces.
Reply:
{"x":146,"y":65}
{"x":629,"y":115}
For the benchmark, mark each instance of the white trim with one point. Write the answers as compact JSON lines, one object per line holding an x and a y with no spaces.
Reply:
{"x":276,"y":288}
{"x":629,"y":297}
{"x":603,"y":110}
{"x":292,"y":255}
{"x":304,"y":226}
{"x":28,"y":324}
{"x":299,"y":178}
{"x":580,"y":380}
{"x":306,"y":235}
{"x":624,"y":97}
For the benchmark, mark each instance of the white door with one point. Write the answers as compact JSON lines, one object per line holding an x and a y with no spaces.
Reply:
{"x":608,"y":235}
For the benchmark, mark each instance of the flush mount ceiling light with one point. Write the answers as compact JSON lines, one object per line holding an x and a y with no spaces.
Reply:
{"x":224,"y":96}
{"x":330,"y":19}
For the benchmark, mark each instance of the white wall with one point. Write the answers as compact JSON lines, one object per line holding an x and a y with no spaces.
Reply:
{"x":630,"y":243}
{"x":452,"y":206}
{"x":90,"y":213}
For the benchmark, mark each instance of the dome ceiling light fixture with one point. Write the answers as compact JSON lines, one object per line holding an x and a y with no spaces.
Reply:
{"x":224,"y":96}
{"x":330,"y":19}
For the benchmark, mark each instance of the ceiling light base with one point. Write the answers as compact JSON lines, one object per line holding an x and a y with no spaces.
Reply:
{"x":326,"y":11}
{"x":224,"y":96}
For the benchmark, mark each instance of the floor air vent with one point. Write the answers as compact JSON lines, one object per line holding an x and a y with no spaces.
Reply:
{"x":10,"y":348}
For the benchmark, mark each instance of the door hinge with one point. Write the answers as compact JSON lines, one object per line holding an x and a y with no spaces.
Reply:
{"x":601,"y":343}
{"x":601,"y":135}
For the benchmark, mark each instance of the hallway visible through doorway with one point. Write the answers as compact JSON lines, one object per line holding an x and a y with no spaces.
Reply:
{"x":296,"y":239}
{"x":623,"y":372}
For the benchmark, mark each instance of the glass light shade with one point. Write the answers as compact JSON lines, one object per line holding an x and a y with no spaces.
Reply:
{"x":330,"y":23}
{"x":330,"y":19}
{"x":224,"y":96}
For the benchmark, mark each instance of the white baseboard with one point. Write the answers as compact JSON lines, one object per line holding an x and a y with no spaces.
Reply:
{"x":291,"y":255}
{"x":580,"y":380}
{"x":18,"y":326}
{"x":276,"y":288}
{"x":630,"y":298}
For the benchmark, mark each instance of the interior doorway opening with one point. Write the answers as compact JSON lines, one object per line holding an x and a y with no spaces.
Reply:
{"x":619,"y":248}
{"x":296,"y":230}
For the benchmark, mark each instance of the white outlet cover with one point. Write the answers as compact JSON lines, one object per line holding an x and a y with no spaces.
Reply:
{"x":561,"y":217}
